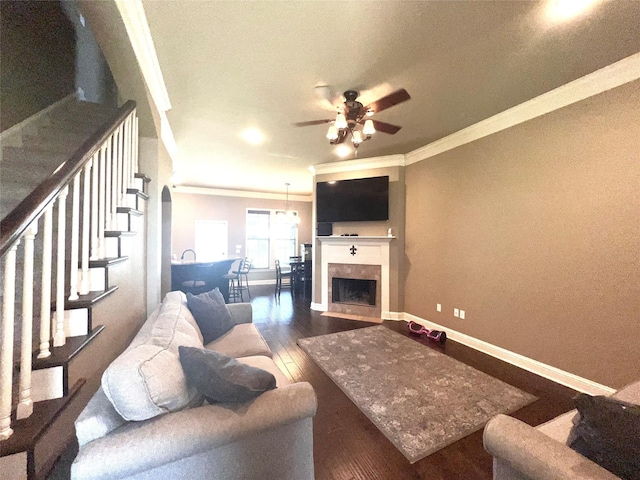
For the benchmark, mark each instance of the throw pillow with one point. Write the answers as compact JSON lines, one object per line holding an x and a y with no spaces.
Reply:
{"x":223,"y":379}
{"x":211,"y":314}
{"x":608,"y":432}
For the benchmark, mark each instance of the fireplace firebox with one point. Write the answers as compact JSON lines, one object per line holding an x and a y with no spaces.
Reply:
{"x":353,"y":291}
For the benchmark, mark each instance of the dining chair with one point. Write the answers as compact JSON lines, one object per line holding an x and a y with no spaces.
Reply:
{"x":280,"y":275}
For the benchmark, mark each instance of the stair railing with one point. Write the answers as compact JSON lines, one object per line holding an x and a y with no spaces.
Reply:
{"x":100,"y":171}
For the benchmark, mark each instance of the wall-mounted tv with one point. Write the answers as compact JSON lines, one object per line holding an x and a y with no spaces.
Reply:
{"x":357,"y":200}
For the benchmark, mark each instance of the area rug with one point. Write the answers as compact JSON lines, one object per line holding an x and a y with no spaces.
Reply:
{"x":419,"y":398}
{"x":348,"y":316}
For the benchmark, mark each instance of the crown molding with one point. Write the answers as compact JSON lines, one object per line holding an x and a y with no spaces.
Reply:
{"x":240,"y":193}
{"x":611,"y":76}
{"x":135,"y":21}
{"x":359,"y":164}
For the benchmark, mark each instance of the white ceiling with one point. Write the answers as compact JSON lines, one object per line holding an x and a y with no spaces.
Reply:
{"x":230,"y":65}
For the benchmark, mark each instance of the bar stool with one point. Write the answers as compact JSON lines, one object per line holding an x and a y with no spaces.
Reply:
{"x":244,"y":273}
{"x":235,"y":281}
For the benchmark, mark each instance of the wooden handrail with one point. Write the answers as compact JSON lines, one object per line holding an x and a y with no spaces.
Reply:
{"x":18,"y":220}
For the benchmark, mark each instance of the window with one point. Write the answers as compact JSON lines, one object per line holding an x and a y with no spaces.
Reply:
{"x":211,"y":240}
{"x":270,"y":236}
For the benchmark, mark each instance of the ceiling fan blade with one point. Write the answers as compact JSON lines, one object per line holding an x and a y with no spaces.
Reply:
{"x":390,"y":100}
{"x":313,"y":122}
{"x":385,"y":127}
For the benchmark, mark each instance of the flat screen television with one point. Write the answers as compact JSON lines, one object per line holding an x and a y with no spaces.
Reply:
{"x":357,"y":200}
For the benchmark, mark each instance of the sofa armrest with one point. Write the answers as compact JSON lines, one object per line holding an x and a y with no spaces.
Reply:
{"x":140,"y":446}
{"x":241,"y":312}
{"x":536,"y":456}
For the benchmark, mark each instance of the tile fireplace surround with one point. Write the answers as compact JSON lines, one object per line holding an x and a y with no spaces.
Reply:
{"x":359,"y":258}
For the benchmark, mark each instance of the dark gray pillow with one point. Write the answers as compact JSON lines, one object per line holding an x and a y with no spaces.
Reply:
{"x":211,"y":314}
{"x":223,"y":379}
{"x":607,"y":433}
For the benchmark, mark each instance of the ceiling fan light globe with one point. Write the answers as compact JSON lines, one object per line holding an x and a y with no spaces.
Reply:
{"x":356,"y":137}
{"x":341,"y":121}
{"x":368,"y":128}
{"x":332,"y":133}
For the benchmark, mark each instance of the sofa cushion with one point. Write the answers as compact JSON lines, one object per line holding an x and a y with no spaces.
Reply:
{"x":97,"y":419}
{"x":211,"y":314}
{"x":243,"y":340}
{"x":607,"y":433}
{"x":223,"y":379}
{"x":266,"y":363}
{"x":147,"y":379}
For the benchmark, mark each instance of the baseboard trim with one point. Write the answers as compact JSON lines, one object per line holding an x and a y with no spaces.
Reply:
{"x":547,"y":371}
{"x":319,"y":307}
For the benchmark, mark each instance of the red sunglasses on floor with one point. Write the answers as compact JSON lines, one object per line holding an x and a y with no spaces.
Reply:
{"x":434,"y":335}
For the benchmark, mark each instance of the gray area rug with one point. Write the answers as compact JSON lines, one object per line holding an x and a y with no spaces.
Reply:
{"x":419,"y":398}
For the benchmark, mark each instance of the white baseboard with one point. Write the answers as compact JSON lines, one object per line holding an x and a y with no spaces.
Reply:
{"x":547,"y":371}
{"x":319,"y":307}
{"x":268,"y":281}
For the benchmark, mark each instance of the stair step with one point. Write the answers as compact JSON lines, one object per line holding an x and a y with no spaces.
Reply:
{"x":130,"y":211}
{"x":89,"y":300}
{"x":60,"y":356}
{"x":118,"y":233}
{"x":107,"y":262}
{"x":19,"y":157}
{"x":27,"y":431}
{"x":143,"y":177}
{"x":138,"y":193}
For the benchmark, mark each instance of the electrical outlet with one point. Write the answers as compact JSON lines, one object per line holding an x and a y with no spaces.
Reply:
{"x":438,"y":307}
{"x":456,"y":312}
{"x":462,"y":314}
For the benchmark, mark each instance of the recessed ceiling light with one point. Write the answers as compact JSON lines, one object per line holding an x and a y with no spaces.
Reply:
{"x":343,"y":151}
{"x":566,"y":9}
{"x":253,"y":136}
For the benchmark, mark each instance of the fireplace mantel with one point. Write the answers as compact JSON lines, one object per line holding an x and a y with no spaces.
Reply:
{"x":355,"y":250}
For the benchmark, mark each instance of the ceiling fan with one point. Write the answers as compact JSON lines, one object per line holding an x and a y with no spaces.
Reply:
{"x":353,"y":114}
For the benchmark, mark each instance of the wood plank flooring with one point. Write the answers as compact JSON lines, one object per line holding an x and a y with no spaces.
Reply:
{"x":347,"y":446}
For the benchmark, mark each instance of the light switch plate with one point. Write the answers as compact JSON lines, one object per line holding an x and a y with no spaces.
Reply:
{"x":438,"y":307}
{"x":456,"y":312}
{"x":462,"y":314}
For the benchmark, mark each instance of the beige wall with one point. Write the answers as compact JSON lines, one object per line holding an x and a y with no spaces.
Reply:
{"x":534,"y":231}
{"x":396,"y":223}
{"x":189,"y":207}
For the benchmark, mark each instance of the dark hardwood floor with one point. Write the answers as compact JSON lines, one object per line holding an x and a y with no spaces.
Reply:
{"x":347,"y":446}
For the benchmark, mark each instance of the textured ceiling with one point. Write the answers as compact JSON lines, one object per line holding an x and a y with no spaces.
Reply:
{"x":232,"y":65}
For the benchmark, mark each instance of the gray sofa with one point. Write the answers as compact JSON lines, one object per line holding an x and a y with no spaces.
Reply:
{"x":267,"y":437}
{"x":522,"y":452}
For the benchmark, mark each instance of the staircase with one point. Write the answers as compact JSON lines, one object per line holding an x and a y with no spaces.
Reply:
{"x":70,"y":195}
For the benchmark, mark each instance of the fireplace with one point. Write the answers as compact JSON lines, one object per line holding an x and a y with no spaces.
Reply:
{"x":356,"y":258}
{"x":353,"y":291}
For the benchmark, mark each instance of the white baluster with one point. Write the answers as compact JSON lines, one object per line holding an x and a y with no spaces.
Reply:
{"x":45,"y":300}
{"x":86,"y":210}
{"x":126,"y":154}
{"x":135,"y":142}
{"x":95,"y":252}
{"x":101,"y":201}
{"x":58,"y":329}
{"x":6,"y":349}
{"x":120,"y":164}
{"x":75,"y":238}
{"x":110,"y":215}
{"x":25,"y":404}
{"x":114,"y":179}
